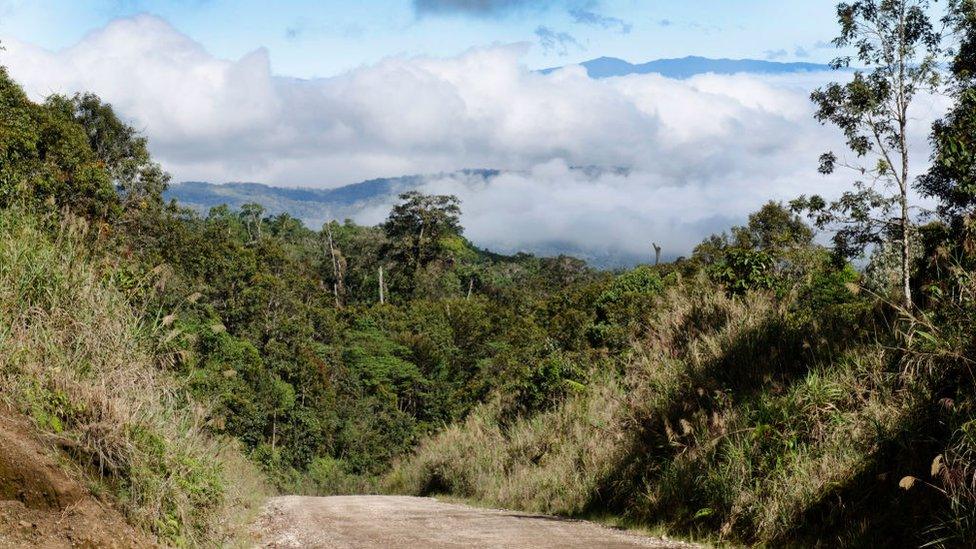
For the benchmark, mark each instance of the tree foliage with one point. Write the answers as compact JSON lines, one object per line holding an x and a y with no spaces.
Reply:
{"x":47,"y":157}
{"x":952,"y":176}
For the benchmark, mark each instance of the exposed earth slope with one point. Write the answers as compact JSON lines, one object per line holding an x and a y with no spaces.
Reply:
{"x":43,"y":506}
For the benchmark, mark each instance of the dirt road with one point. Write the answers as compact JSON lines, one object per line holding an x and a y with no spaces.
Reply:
{"x":400,"y":521}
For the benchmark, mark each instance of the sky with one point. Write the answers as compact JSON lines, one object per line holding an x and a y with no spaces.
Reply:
{"x":315,"y":38}
{"x":323,"y":94}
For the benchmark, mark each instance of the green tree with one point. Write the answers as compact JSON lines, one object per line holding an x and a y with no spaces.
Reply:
{"x":282,"y":401}
{"x":416,"y":227}
{"x":120,"y":149}
{"x":252,"y":215}
{"x":773,"y":228}
{"x":952,"y":176}
{"x":897,"y":44}
{"x":45,"y":156}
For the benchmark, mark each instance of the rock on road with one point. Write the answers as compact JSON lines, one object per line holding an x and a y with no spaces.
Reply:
{"x":401,"y":521}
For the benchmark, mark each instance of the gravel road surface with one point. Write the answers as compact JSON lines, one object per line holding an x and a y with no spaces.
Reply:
{"x":401,"y":521}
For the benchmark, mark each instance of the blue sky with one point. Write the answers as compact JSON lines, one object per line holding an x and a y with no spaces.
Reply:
{"x":308,"y":38}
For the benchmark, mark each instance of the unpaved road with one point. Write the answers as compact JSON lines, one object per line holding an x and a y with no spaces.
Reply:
{"x":401,"y":521}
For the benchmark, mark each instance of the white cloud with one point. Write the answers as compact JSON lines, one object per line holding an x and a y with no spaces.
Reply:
{"x":702,"y":152}
{"x":611,"y":216}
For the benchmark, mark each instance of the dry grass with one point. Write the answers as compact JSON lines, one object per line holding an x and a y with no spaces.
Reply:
{"x":77,"y":359}
{"x":551,"y":462}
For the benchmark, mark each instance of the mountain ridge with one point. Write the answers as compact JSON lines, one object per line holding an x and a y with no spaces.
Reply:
{"x":688,"y":66}
{"x":313,"y":206}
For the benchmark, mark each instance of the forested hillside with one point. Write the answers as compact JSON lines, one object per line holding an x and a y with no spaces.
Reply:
{"x":760,"y":390}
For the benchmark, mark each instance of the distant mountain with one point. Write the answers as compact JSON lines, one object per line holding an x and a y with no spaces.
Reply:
{"x":686,"y":67}
{"x":312,"y":206}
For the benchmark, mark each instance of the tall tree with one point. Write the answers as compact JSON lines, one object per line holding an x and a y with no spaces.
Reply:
{"x":897,"y":46}
{"x":252,"y":215}
{"x":417,"y":225}
{"x":45,"y":155}
{"x":773,"y":228}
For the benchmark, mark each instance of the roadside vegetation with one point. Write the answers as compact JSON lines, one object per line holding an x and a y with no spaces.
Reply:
{"x":762,"y":390}
{"x":78,"y":360}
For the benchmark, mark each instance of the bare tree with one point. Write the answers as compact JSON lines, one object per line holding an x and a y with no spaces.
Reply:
{"x":338,"y":268}
{"x":381,"y":287}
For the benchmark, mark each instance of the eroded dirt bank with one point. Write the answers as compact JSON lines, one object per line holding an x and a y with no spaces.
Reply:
{"x":42,"y":506}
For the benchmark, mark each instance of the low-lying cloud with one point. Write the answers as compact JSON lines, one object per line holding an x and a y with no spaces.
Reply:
{"x":610,"y":217}
{"x":699,"y":153}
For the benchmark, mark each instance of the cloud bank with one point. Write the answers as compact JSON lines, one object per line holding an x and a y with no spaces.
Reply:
{"x":699,"y":153}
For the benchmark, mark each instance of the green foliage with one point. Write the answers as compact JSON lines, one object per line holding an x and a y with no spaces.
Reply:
{"x":950,"y":178}
{"x":622,"y":306}
{"x":45,"y":156}
{"x":773,"y":228}
{"x":900,"y":49}
{"x":744,"y":270}
{"x":420,"y":231}
{"x":774,"y":250}
{"x":545,"y":384}
{"x":639,"y":281}
{"x":829,"y":288}
{"x":120,"y":150}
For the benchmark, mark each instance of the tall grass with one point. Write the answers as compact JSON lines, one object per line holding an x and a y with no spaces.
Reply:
{"x":940,"y":349}
{"x":552,"y":462}
{"x":76,"y":358}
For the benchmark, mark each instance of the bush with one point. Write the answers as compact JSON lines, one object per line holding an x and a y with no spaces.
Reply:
{"x":624,"y":305}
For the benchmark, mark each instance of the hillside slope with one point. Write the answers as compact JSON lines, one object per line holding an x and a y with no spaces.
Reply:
{"x":76,"y":359}
{"x":740,"y":418}
{"x":313,"y":206}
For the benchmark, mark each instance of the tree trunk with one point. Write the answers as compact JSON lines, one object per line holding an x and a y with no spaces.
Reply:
{"x":420,"y":244}
{"x":274,"y":431}
{"x":906,"y":247}
{"x":336,"y":275}
{"x":381,"y":285}
{"x":906,"y":251}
